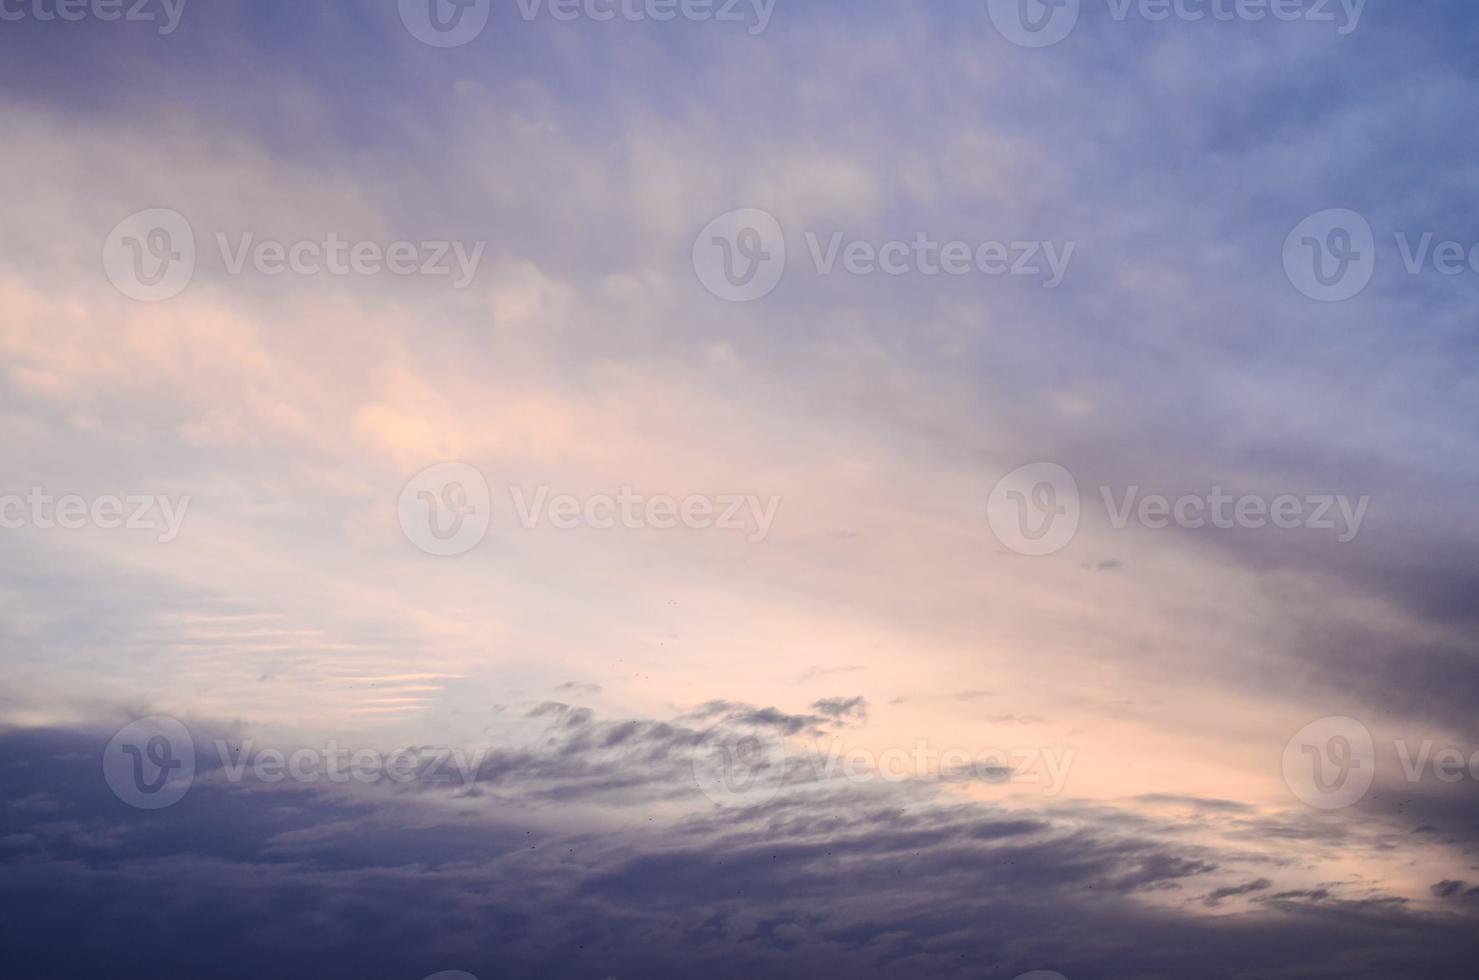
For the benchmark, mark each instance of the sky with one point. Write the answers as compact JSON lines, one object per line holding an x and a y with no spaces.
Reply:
{"x":657,"y":488}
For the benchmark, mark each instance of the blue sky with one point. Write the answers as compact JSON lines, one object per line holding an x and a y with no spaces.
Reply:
{"x":1141,"y":694}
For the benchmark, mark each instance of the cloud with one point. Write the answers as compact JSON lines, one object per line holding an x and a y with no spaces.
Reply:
{"x":1233,"y":891}
{"x":844,"y":709}
{"x":586,"y":355}
{"x":871,"y":879}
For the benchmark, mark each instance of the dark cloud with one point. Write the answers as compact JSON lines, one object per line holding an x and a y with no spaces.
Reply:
{"x":587,"y":846}
{"x":827,"y":878}
{"x":1233,"y":891}
{"x":844,"y":709}
{"x":729,"y":712}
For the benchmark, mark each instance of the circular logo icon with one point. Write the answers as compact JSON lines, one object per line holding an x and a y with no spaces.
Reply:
{"x":150,"y":763}
{"x":150,"y":255}
{"x":740,"y":767}
{"x":445,"y":509}
{"x":1331,"y":763}
{"x":1035,"y":510}
{"x":1331,"y":256}
{"x":1034,"y":23}
{"x":445,"y":23}
{"x":740,"y":255}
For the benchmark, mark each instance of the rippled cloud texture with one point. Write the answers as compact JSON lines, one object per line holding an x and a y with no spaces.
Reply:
{"x":584,"y":483}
